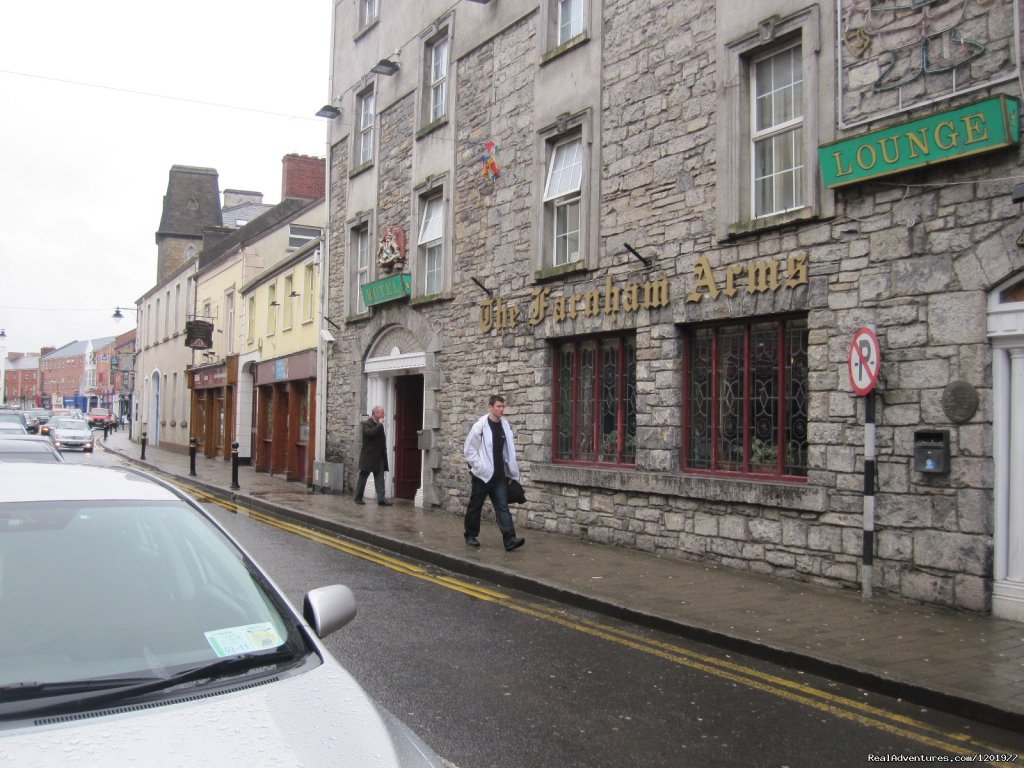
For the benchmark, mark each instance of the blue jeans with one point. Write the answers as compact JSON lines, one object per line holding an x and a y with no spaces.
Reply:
{"x":378,"y":484}
{"x":498,"y":494}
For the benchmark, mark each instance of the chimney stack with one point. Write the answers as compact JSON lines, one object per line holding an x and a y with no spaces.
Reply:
{"x":303,"y":177}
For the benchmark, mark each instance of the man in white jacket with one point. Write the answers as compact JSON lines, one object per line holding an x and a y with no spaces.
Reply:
{"x":491,"y":455}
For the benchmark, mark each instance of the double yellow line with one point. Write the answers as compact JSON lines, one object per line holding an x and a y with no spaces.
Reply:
{"x":799,"y":693}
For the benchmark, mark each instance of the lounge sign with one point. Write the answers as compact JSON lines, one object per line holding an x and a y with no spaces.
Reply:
{"x":981,"y":127}
{"x":390,"y":288}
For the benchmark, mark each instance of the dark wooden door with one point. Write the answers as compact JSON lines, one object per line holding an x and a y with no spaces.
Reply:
{"x":408,"y":423}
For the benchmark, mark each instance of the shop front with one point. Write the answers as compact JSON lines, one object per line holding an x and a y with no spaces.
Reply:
{"x":285,"y":414}
{"x":213,"y":407}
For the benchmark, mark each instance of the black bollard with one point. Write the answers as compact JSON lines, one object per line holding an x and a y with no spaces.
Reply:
{"x":234,"y":467}
{"x":191,"y":457}
{"x":143,"y":446}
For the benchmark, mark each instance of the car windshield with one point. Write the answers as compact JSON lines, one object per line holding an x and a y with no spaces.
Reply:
{"x":73,"y":424}
{"x":125,"y":590}
{"x":11,"y":416}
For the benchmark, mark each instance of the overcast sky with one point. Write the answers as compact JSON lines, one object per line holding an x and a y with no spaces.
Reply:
{"x":83,"y":169}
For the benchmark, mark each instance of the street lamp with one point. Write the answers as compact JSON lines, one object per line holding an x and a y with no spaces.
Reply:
{"x":118,"y":316}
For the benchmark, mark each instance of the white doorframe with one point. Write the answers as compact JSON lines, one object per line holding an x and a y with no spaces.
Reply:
{"x":1006,"y":332}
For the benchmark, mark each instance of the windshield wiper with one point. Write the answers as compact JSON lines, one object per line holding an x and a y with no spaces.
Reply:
{"x":103,"y":692}
{"x":31,"y":689}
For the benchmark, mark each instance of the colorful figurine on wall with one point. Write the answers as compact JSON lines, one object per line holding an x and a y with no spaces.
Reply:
{"x":491,"y":169}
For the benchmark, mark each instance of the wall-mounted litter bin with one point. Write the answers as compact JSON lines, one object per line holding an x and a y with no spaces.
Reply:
{"x":931,"y":451}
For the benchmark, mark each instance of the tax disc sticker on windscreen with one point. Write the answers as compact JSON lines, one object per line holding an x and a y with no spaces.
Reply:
{"x":245,"y":639}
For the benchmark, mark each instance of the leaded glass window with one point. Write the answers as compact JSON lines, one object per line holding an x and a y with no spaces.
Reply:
{"x":746,"y":398}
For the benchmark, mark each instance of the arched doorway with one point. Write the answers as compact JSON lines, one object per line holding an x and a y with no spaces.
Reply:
{"x":1006,"y":333}
{"x":394,"y":370}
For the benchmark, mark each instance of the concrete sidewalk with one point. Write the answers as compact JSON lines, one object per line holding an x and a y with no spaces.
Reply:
{"x":962,"y":663}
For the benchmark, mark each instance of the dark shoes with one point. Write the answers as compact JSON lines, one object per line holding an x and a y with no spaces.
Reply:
{"x":514,"y":544}
{"x":472,"y":541}
{"x":383,"y":503}
{"x":358,"y":501}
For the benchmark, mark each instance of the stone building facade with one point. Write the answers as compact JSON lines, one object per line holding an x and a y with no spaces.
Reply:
{"x":665,"y":276}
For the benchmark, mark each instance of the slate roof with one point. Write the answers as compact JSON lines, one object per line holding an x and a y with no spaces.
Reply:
{"x":244,"y":213}
{"x":192,"y":202}
{"x":77,"y":348}
{"x":284,"y":211}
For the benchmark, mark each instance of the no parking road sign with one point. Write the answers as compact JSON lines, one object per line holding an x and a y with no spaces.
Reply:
{"x":865,"y":362}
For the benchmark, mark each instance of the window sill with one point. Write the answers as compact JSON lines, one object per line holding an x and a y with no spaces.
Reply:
{"x":357,"y":170}
{"x":429,"y":128}
{"x":362,"y":317}
{"x":753,"y":226}
{"x":769,"y":493}
{"x":365,"y":30}
{"x":434,"y":298}
{"x":570,"y":44}
{"x":553,"y":273}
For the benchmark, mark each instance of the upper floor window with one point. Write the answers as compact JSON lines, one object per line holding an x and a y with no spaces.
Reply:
{"x":364,"y":135}
{"x":562,"y":193}
{"x":272,"y":305}
{"x":595,"y":400}
{"x":437,"y":79}
{"x":250,"y":332}
{"x":431,"y":245}
{"x":308,"y":281}
{"x":746,"y":398}
{"x":367,"y":12}
{"x":777,"y":132}
{"x":361,"y":264}
{"x":773,"y":117}
{"x":570,"y":19}
{"x":299,"y":235}
{"x":289,"y":300}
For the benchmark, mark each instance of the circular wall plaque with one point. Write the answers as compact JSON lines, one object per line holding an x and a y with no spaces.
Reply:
{"x":959,"y":401}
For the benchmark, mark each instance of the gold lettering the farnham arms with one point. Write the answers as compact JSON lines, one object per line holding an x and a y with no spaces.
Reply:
{"x":761,"y":276}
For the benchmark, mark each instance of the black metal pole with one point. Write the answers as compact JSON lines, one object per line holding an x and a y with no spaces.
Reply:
{"x":191,"y":457}
{"x":868,"y":555}
{"x":143,"y":446}
{"x":234,"y":467}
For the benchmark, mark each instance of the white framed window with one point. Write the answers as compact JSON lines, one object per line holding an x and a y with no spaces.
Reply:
{"x":229,"y":322}
{"x":431,"y":245}
{"x":368,"y":11}
{"x":299,"y":235}
{"x":776,"y":131}
{"x":772,"y":120}
{"x":361,"y":251}
{"x":564,"y":23}
{"x":562,"y":198}
{"x":308,"y":287}
{"x":570,"y":19}
{"x":250,"y":320}
{"x":289,"y":300}
{"x":437,"y":79}
{"x":272,"y":305}
{"x":365,"y":132}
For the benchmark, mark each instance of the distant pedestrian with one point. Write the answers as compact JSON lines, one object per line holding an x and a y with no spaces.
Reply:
{"x":373,"y":457}
{"x":106,"y":428}
{"x":490,"y":452}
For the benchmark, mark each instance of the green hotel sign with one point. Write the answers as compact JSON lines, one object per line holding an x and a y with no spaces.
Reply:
{"x":388,"y":289}
{"x":957,"y":133}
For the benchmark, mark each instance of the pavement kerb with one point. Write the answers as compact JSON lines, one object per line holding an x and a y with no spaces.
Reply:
{"x":846,"y":673}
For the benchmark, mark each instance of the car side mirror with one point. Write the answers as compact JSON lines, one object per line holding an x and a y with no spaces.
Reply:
{"x":328,"y":609}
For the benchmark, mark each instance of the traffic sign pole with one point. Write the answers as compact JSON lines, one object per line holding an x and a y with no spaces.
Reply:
{"x":864,"y":366}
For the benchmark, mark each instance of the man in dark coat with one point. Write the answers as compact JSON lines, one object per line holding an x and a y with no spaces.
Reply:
{"x":373,"y":457}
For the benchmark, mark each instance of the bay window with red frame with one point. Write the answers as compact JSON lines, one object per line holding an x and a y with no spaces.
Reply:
{"x":745,"y":398}
{"x":594,"y":393}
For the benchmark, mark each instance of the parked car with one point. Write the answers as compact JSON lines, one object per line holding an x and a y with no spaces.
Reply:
{"x":12,"y":428}
{"x":100,"y":417}
{"x":69,"y":432}
{"x":137,"y":631}
{"x":8,"y":416}
{"x":31,"y":422}
{"x":18,"y":448}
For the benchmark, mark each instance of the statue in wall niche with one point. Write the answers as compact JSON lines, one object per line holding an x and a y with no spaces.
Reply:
{"x":391,"y":249}
{"x":910,"y":38}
